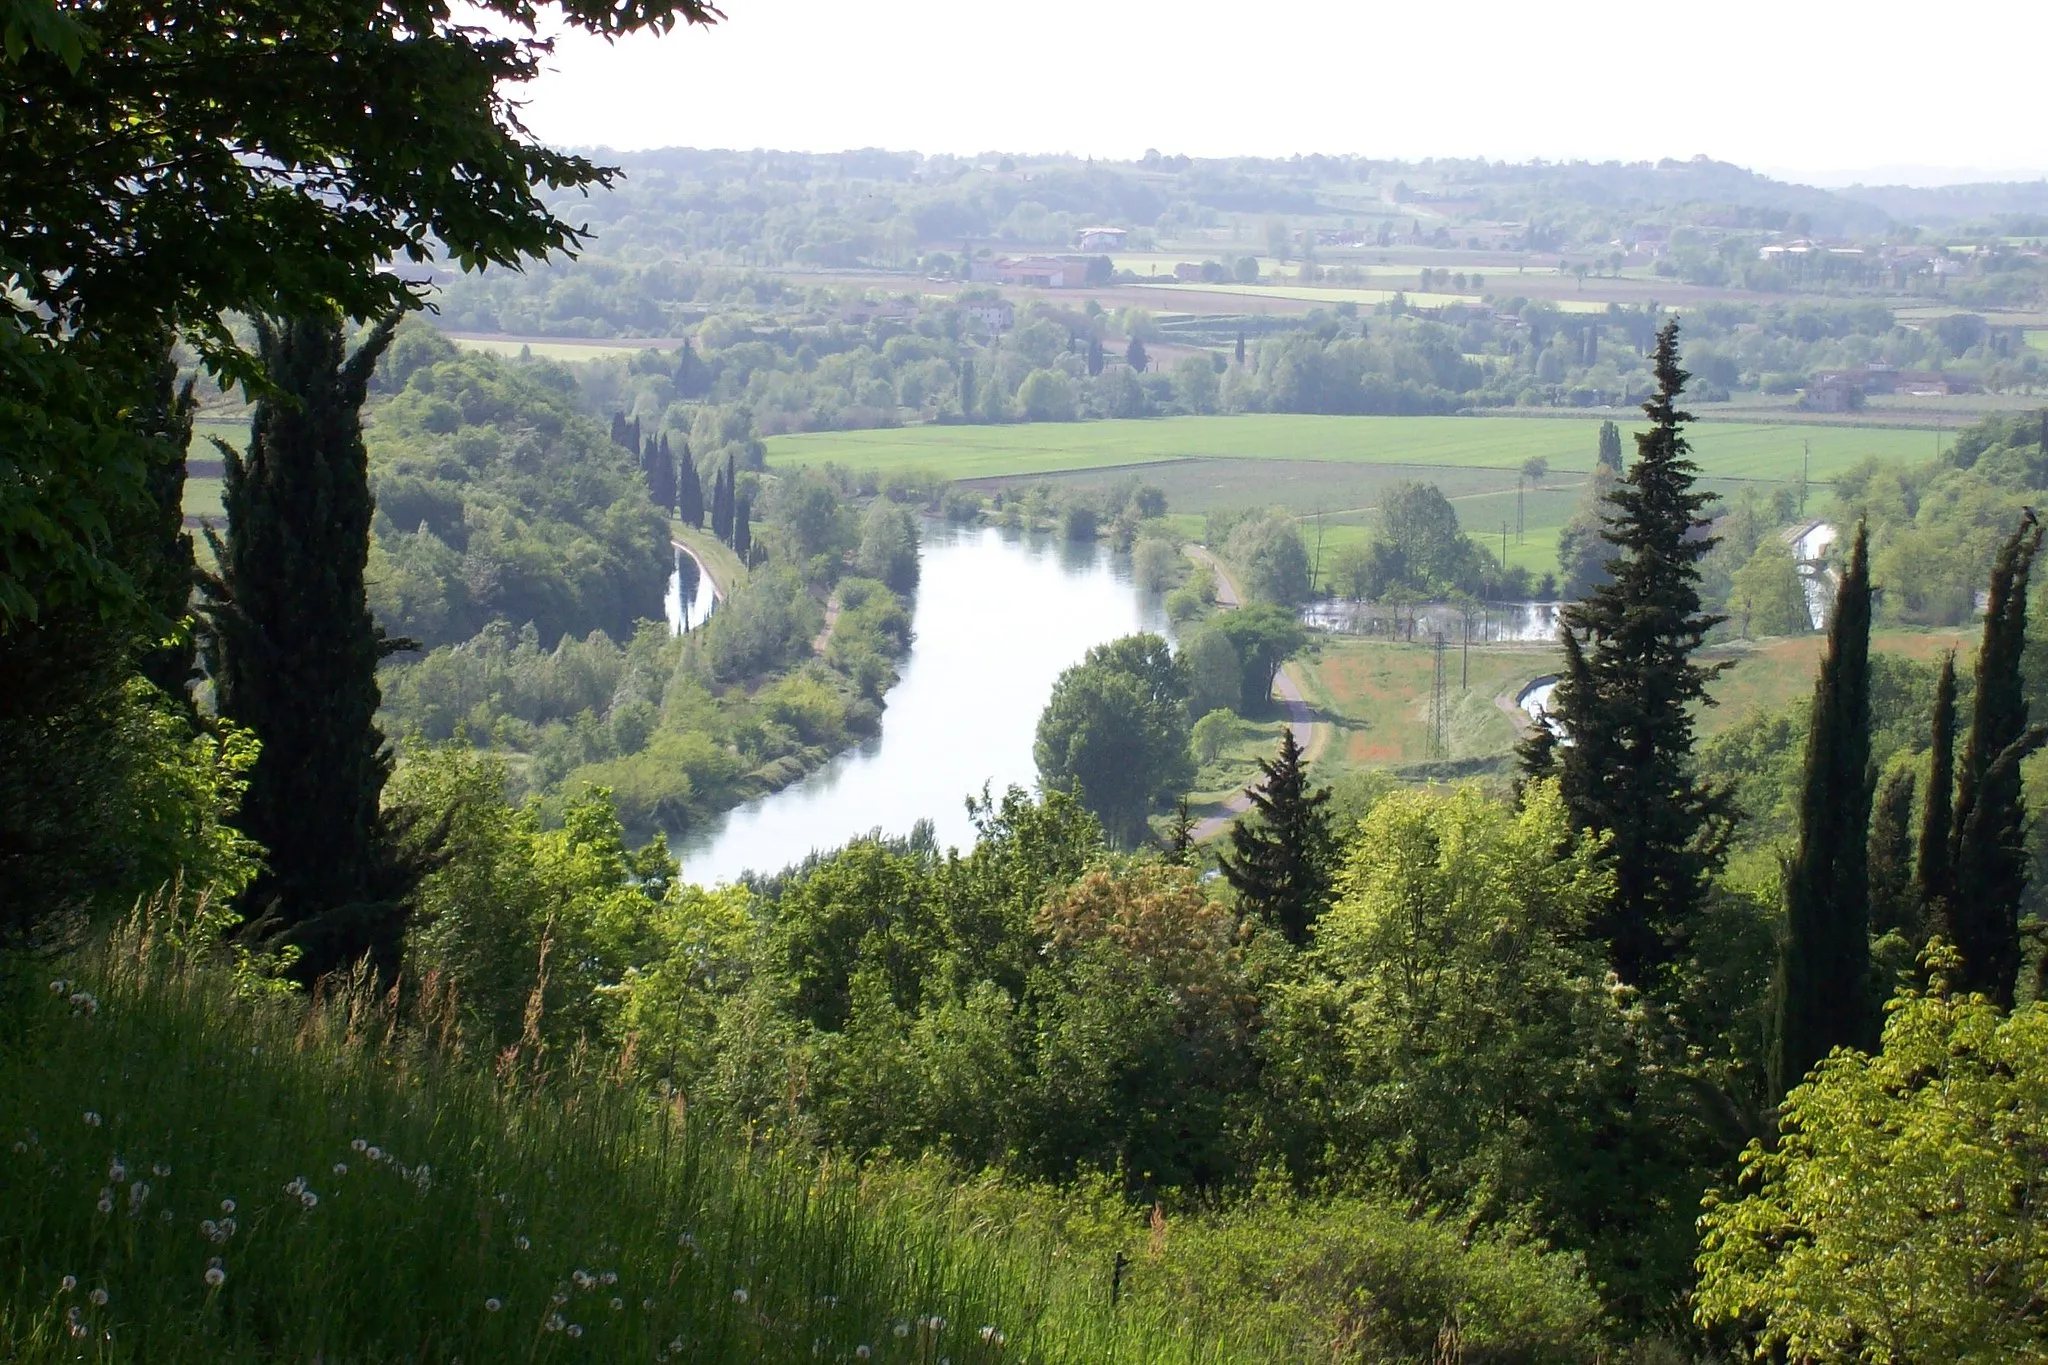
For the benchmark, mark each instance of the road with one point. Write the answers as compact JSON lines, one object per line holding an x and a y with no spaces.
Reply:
{"x":1308,"y":732}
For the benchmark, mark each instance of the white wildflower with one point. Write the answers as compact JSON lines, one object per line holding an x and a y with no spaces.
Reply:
{"x":582,"y":1278}
{"x":207,"y":1228}
{"x":98,"y":1297}
{"x":92,"y":1120}
{"x":375,"y":1153}
{"x":739,"y":1296}
{"x":609,"y":1277}
{"x":227,"y":1206}
{"x":492,"y":1305}
{"x":67,"y":1284}
{"x":308,"y":1199}
{"x":359,"y":1145}
{"x":59,"y":987}
{"x":575,"y":1329}
{"x":215,"y":1277}
{"x":554,"y":1322}
{"x":341,"y":1168}
{"x":296,"y":1184}
{"x":862,"y":1351}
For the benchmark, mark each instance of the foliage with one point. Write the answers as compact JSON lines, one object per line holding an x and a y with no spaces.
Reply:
{"x":1765,"y":596}
{"x":1267,"y":550}
{"x":1895,"y":1217}
{"x":1264,"y":637}
{"x":1626,"y":705}
{"x":1282,"y":855}
{"x":498,"y":500}
{"x":1822,"y":992}
{"x":293,"y":656}
{"x":1115,"y":733}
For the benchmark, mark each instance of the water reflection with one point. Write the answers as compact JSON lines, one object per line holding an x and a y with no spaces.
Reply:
{"x":690,"y":594}
{"x":998,"y":617}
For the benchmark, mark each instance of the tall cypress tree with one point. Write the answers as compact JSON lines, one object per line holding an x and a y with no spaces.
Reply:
{"x":1610,"y":446}
{"x":966,"y":389}
{"x":293,"y":653}
{"x":1627,"y":710}
{"x":1283,"y":863}
{"x":722,"y":503}
{"x":1931,"y":870}
{"x":1894,"y":901}
{"x":689,"y":489}
{"x":1822,"y":992}
{"x":1987,"y":852}
{"x":742,"y":532}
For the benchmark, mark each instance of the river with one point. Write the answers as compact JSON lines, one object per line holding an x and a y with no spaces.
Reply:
{"x":998,"y":616}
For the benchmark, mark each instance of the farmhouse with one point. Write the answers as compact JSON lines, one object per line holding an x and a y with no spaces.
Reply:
{"x":994,"y":315}
{"x":1100,"y":239}
{"x":1046,"y":272}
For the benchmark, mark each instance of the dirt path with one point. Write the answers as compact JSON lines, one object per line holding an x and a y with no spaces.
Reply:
{"x":1310,"y":734}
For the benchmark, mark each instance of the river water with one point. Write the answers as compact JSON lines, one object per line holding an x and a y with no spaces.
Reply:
{"x":998,"y":616}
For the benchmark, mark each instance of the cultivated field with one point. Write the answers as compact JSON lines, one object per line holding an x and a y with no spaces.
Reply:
{"x":556,"y":348}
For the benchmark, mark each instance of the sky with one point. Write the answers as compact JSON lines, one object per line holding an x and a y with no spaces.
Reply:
{"x":1815,"y":90}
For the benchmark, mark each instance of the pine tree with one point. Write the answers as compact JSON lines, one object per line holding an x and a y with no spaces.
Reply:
{"x":689,"y":489}
{"x":1135,"y":356}
{"x":1282,"y":864}
{"x":619,"y":433}
{"x":742,"y":533}
{"x":1094,"y":356}
{"x":966,"y":389}
{"x":1610,"y":446}
{"x":1626,"y":706}
{"x":1240,"y":348}
{"x":1822,"y":992}
{"x":1180,"y":835}
{"x":1987,"y":854}
{"x":722,"y":503}
{"x":293,"y":654}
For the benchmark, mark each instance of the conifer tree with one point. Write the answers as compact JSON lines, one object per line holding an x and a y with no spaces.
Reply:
{"x":1931,"y":870}
{"x":1822,"y":992}
{"x":1180,"y":835}
{"x":742,"y":532}
{"x":1610,"y":446}
{"x":689,"y":489}
{"x":1987,"y":854}
{"x":1283,"y":863}
{"x":619,"y":432}
{"x":966,"y":389}
{"x":293,"y":654}
{"x":1240,"y":348}
{"x":1626,"y":700}
{"x":1894,"y":901}
{"x":722,"y":503}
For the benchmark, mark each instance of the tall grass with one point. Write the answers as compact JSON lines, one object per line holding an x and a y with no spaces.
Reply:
{"x":194,"y":1171}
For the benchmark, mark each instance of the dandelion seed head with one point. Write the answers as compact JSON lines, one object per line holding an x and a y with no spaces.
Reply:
{"x":59,"y":987}
{"x":295,"y":1184}
{"x":610,"y":1277}
{"x":575,"y":1329}
{"x":582,"y":1279}
{"x":341,"y":1168}
{"x":558,"y":1298}
{"x":375,"y":1153}
{"x":617,"y":1303}
{"x":207,"y":1227}
{"x":988,"y":1333}
{"x":647,"y":1304}
{"x":492,"y":1305}
{"x":554,"y":1322}
{"x":739,"y":1296}
{"x":92,"y":1120}
{"x":521,"y":1243}
{"x":77,"y":1329}
{"x":227,"y":1206}
{"x":106,"y":1204}
{"x":307,"y":1199}
{"x":862,"y":1351}
{"x":215,"y":1277}
{"x":67,"y":1284}
{"x":159,"y":1169}
{"x":116,"y":1172}
{"x":902,"y":1329}
{"x":98,"y":1298}
{"x":359,"y":1145}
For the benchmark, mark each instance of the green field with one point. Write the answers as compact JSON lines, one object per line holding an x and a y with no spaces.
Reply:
{"x":1723,"y":450}
{"x":555,"y":350}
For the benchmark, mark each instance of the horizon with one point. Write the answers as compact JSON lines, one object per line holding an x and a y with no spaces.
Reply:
{"x":1110,"y":80}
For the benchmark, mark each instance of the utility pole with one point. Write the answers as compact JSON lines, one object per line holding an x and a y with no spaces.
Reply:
{"x":1503,"y":547}
{"x":1805,"y":459}
{"x":1437,"y":728}
{"x":1518,"y":511}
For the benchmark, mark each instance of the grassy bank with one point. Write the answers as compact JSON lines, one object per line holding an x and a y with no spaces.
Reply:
{"x":192,"y":1174}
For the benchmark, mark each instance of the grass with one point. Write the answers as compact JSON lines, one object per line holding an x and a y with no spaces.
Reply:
{"x":365,"y":1194}
{"x":1723,"y":450}
{"x":1377,"y":693}
{"x":550,"y":350}
{"x":714,"y":554}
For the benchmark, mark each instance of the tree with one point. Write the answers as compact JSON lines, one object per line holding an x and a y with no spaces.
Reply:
{"x":1135,"y":357}
{"x":1766,"y":594}
{"x":1268,"y":550}
{"x":1937,"y":815}
{"x":1610,"y":447}
{"x":1215,"y":674}
{"x":1213,"y":733}
{"x":888,"y":546}
{"x":1265,"y":637}
{"x":1094,"y":356}
{"x":689,"y":489}
{"x":1534,"y":469}
{"x":1194,"y":383}
{"x":1282,"y":862}
{"x":742,"y":532}
{"x":1240,"y":331}
{"x":1046,"y":396}
{"x":722,"y":503}
{"x":1894,"y":903}
{"x":1417,"y":522}
{"x":167,"y":166}
{"x":293,"y":653}
{"x":1822,"y":992}
{"x":1115,"y":733}
{"x":1897,"y":1215}
{"x":1626,"y":702}
{"x":966,"y":389}
{"x":1979,"y":906}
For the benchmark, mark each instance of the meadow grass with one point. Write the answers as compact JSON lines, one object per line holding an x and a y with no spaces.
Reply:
{"x":194,"y":1171}
{"x":559,"y":349}
{"x":1767,"y":451}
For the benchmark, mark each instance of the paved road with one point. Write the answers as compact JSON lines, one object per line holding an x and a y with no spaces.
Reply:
{"x":1300,"y":719}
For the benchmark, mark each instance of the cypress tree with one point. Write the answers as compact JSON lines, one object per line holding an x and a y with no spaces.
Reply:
{"x":1094,"y":355}
{"x":1987,"y":854}
{"x":966,"y":388}
{"x":619,"y":432}
{"x":721,"y":505}
{"x":1282,"y":863}
{"x":742,"y":533}
{"x":1894,"y":901}
{"x":1626,"y":706}
{"x":293,"y":653}
{"x":689,"y":489}
{"x":1822,"y":992}
{"x":1610,"y":446}
{"x":1240,"y":348}
{"x":1931,"y":873}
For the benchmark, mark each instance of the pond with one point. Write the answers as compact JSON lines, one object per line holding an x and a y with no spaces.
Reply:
{"x":998,"y":616}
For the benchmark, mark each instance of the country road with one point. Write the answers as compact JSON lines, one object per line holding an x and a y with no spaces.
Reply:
{"x":1308,"y":732}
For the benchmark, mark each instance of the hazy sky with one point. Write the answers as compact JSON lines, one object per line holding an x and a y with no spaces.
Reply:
{"x":1819,"y":89}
